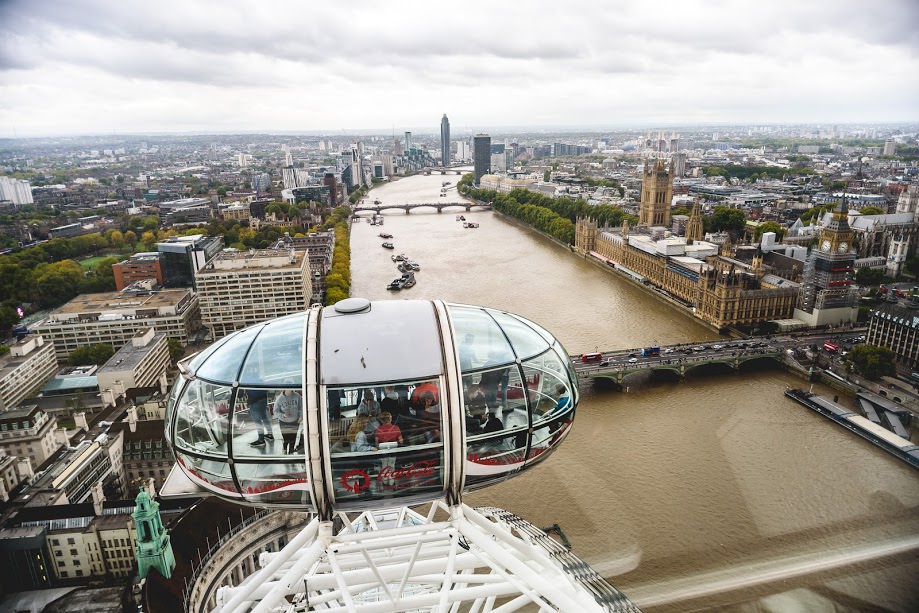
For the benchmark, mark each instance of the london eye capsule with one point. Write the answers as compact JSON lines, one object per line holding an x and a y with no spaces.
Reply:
{"x":367,"y":404}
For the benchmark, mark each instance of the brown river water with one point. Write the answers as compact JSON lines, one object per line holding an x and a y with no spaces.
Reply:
{"x":716,"y":492}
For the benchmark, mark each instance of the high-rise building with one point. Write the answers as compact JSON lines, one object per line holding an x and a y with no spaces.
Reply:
{"x":481,"y":154}
{"x":408,"y":141}
{"x":656,"y":193}
{"x":445,"y":141}
{"x":16,"y":191}
{"x":238,"y":289}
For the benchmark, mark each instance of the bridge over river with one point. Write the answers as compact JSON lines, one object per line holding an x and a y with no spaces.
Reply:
{"x":379,"y":207}
{"x":616,"y":366}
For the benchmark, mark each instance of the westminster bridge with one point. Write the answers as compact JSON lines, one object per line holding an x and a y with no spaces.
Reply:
{"x":680,"y":360}
{"x":408,"y":208}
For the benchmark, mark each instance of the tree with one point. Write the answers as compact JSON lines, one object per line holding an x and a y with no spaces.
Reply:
{"x":769,"y":226}
{"x":869,"y":276}
{"x":56,"y":283}
{"x":872,"y":362}
{"x":97,"y":354}
{"x":729,"y":220}
{"x":176,"y":350}
{"x":873,"y":210}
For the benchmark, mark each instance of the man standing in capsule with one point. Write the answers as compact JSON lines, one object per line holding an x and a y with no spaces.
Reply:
{"x":288,"y":410}
{"x":258,"y":410}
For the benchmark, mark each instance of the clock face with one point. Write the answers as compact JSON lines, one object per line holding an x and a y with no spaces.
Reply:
{"x":825,"y":246}
{"x":843,"y":247}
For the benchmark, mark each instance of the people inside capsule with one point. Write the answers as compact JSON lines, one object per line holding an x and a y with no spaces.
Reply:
{"x":382,"y":438}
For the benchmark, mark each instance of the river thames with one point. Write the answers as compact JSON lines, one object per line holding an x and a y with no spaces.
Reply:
{"x":714,"y":492}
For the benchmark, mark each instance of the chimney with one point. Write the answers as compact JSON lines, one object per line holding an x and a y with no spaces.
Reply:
{"x":61,"y":436}
{"x":98,"y":497}
{"x":24,"y":468}
{"x":132,"y":418}
{"x":80,"y":420}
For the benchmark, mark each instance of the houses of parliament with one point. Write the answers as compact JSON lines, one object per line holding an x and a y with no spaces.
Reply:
{"x":707,"y":278}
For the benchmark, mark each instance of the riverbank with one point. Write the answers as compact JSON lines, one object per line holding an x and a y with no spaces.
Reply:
{"x":649,"y":290}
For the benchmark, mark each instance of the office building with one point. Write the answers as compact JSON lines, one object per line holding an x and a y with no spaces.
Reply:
{"x":445,"y":141}
{"x":28,"y":432}
{"x":238,"y":289}
{"x":29,"y":364}
{"x":145,"y":454}
{"x":895,"y":326}
{"x":138,"y":267}
{"x":408,"y":141}
{"x":115,"y":317}
{"x":140,"y":363}
{"x":481,"y":154}
{"x":182,"y":256}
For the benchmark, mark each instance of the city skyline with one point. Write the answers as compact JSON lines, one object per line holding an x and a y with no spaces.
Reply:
{"x":103,"y":67}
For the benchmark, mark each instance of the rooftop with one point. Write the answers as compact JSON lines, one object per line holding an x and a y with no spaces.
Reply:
{"x":113,"y":301}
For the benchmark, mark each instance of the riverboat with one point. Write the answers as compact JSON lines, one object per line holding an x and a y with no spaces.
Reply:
{"x":395,"y":285}
{"x":385,"y":235}
{"x":388,"y":246}
{"x":412,"y":265}
{"x":408,"y":280}
{"x":460,"y":218}
{"x":398,"y":258}
{"x":470,"y":224}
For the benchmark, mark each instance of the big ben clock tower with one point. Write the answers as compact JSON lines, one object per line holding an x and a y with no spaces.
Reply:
{"x":828,"y":296}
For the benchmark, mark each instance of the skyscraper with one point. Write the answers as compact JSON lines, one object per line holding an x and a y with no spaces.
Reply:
{"x":481,"y":153}
{"x":445,"y":141}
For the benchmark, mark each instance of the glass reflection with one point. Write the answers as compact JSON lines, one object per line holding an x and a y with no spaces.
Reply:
{"x":385,"y":439}
{"x":202,"y":418}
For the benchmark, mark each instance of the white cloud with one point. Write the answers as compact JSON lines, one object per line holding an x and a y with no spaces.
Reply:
{"x":136,"y":66}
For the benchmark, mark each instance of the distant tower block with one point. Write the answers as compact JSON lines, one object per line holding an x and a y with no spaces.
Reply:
{"x":656,"y":193}
{"x":153,"y":549}
{"x":445,"y":141}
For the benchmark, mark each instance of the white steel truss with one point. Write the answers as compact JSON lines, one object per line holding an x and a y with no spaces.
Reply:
{"x":454,"y":558}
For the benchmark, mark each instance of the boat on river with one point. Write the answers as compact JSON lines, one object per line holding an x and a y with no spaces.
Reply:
{"x":395,"y":285}
{"x":388,"y":246}
{"x":384,"y":235}
{"x":398,"y":258}
{"x":460,"y":218}
{"x":408,"y":280}
{"x":470,"y":224}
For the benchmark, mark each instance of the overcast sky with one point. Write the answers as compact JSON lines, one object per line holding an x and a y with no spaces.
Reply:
{"x":126,"y":66}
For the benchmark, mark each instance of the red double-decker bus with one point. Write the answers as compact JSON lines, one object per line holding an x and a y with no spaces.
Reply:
{"x":830,"y":347}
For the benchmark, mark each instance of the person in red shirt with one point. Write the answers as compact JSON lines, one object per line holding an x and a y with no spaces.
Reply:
{"x":388,"y":435}
{"x":388,"y":432}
